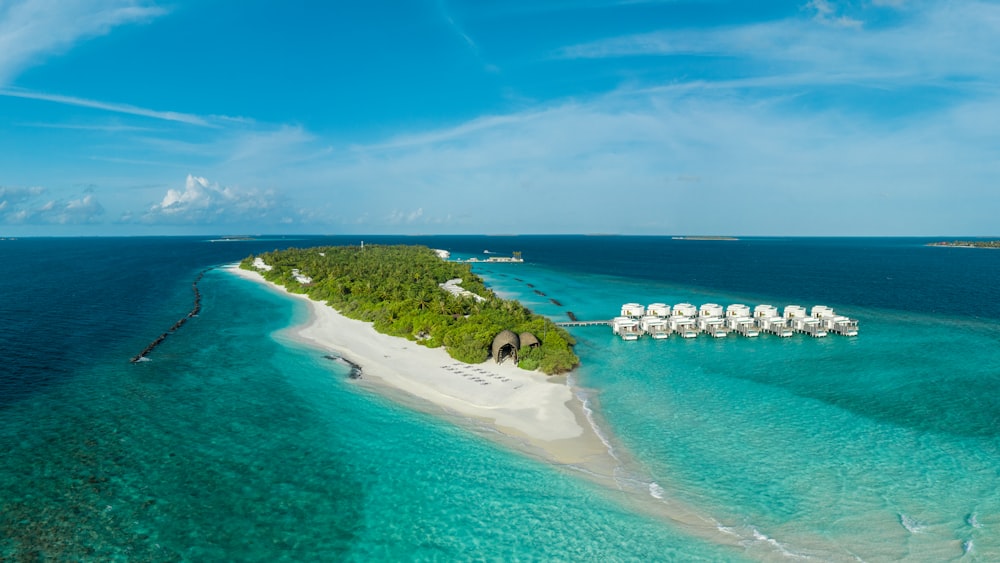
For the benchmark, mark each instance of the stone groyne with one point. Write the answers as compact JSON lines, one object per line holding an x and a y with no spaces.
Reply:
{"x":194,"y":311}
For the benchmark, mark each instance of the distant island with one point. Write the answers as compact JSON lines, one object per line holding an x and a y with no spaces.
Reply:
{"x":704,"y":238}
{"x":968,"y":243}
{"x":233,"y":238}
{"x":411,"y":292}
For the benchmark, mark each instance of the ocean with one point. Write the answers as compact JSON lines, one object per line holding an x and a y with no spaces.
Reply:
{"x":235,"y":442}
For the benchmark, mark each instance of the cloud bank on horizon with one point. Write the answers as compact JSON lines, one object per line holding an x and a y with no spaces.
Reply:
{"x":821,"y":117}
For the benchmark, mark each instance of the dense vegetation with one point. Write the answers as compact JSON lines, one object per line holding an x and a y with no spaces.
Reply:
{"x":396,"y":288}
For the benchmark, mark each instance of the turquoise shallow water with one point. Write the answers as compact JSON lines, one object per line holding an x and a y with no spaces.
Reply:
{"x":236,"y":443}
{"x":879,"y":447}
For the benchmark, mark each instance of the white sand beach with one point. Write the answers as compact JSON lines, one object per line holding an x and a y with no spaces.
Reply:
{"x":537,"y":413}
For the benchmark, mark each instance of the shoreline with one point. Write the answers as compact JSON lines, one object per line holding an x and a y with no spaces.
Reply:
{"x":544,"y":417}
{"x":536,"y":414}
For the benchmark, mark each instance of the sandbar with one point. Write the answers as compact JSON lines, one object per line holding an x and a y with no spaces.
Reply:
{"x":536,"y":413}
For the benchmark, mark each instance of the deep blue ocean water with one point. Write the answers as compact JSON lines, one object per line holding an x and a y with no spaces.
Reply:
{"x":236,"y":443}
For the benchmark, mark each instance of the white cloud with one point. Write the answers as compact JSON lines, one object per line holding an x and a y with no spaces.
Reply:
{"x":396,"y":216}
{"x":203,"y":202}
{"x":937,"y":43}
{"x":29,"y":206}
{"x":31,"y":30}
{"x":827,"y":13}
{"x":107,"y":106}
{"x":670,"y":160}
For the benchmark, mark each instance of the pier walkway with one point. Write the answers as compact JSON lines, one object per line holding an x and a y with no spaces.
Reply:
{"x":583,"y":323}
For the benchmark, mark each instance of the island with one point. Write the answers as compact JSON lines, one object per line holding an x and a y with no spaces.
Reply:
{"x":410,"y":292}
{"x":428,"y":334}
{"x":705,"y":237}
{"x":968,"y":243}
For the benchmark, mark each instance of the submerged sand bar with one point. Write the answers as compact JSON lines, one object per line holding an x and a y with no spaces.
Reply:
{"x":539,"y":411}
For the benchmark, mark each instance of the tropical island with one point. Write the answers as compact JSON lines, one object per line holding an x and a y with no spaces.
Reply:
{"x":968,"y":243}
{"x":410,"y":292}
{"x":394,"y":315}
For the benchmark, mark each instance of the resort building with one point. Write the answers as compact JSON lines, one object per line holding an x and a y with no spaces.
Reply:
{"x":713,"y":326}
{"x":710,"y":310}
{"x":682,"y":326}
{"x":685,"y":310}
{"x":833,"y":322}
{"x":633,"y":310}
{"x":626,"y":327}
{"x":661,"y":310}
{"x":656,"y":327}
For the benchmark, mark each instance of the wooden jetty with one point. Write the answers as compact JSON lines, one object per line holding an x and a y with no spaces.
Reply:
{"x":583,"y":323}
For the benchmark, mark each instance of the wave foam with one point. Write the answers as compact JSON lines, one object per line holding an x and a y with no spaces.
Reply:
{"x":589,"y":414}
{"x":911,"y":524}
{"x":971,"y":520}
{"x":656,"y":491}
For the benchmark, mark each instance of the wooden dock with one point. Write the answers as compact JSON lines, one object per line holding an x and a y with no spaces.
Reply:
{"x":583,"y":323}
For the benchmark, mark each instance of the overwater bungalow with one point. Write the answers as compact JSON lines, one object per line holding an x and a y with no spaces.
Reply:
{"x":626,"y":327}
{"x":682,"y":326}
{"x":744,"y":325}
{"x":768,"y":320}
{"x":802,"y":322}
{"x":808,"y":325}
{"x":684,"y":310}
{"x":710,"y":310}
{"x":684,"y":319}
{"x":833,"y":322}
{"x":661,"y":310}
{"x":738,"y":310}
{"x":633,"y":310}
{"x":765,"y":311}
{"x":713,"y":326}
{"x":777,"y":326}
{"x":794,"y":312}
{"x":656,"y":327}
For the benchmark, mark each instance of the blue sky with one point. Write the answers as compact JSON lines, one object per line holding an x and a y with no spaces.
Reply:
{"x":816,"y":117}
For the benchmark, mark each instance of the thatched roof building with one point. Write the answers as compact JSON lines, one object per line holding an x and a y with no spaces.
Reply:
{"x":529,"y":340}
{"x":506,"y":344}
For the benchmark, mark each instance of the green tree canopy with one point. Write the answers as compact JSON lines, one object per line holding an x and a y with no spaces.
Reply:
{"x":397,"y":288}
